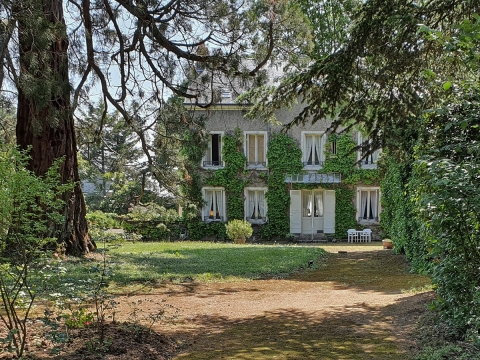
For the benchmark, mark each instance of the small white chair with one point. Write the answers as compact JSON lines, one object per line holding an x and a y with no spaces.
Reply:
{"x":352,"y":235}
{"x":366,"y":235}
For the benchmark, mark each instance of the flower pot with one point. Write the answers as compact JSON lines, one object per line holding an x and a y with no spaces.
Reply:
{"x":387,"y":244}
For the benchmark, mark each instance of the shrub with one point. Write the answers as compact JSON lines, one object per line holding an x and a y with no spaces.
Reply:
{"x":239,"y":230}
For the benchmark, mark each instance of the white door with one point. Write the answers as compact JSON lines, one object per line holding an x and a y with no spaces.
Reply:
{"x":295,"y":211}
{"x":312,"y":211}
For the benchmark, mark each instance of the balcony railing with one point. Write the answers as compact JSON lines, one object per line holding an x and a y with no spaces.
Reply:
{"x":212,"y":163}
{"x":314,"y":178}
{"x":253,"y":164}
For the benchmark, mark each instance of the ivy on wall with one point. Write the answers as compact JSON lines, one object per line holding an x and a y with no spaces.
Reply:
{"x":231,"y":176}
{"x":345,"y":163}
{"x":398,"y":214}
{"x":284,"y":157}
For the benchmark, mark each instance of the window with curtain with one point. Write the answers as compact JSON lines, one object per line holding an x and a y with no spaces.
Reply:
{"x":369,"y":204}
{"x":312,"y":203}
{"x":255,"y":145}
{"x":255,"y":207}
{"x":312,"y":149}
{"x":213,"y":210}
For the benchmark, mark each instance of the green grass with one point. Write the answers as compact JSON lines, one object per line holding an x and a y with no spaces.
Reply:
{"x":194,"y":261}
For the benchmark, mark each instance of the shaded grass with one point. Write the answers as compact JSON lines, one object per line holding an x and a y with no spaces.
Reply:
{"x":195,"y":261}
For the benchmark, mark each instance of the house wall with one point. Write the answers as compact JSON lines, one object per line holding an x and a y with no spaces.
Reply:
{"x":228,"y":118}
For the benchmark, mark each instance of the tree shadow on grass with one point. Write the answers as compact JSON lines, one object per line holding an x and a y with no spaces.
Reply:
{"x":379,"y":270}
{"x":357,"y":331}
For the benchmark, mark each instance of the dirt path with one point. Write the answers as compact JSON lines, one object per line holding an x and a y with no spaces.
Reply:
{"x":361,"y":304}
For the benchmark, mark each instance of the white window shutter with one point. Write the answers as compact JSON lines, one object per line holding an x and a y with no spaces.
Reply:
{"x":295,"y":211}
{"x":329,"y":213}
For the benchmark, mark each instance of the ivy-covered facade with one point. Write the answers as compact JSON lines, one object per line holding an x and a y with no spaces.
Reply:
{"x":301,"y":181}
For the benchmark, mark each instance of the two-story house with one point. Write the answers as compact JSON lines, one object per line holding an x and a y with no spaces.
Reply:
{"x":313,"y":207}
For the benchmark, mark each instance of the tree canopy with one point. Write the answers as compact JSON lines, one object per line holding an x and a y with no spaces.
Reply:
{"x":132,"y":55}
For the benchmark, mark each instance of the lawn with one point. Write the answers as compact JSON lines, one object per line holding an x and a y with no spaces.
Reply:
{"x":193,"y":261}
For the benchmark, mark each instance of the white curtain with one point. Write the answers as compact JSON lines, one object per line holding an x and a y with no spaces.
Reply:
{"x":309,"y":146}
{"x":363,"y":207}
{"x":318,"y":149}
{"x":218,"y":202}
{"x":375,"y":156}
{"x":261,"y":204}
{"x":209,"y":198}
{"x":319,"y":204}
{"x":307,"y":204}
{"x":373,"y":203}
{"x":251,"y":204}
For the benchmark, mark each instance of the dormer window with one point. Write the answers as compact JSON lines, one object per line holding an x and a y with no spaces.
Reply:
{"x":226,"y":94}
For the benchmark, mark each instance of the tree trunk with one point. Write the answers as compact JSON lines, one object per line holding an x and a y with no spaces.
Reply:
{"x":44,"y":116}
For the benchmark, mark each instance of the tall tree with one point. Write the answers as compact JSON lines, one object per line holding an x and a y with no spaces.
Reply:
{"x":129,"y":51}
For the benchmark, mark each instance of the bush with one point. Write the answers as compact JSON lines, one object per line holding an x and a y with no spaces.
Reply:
{"x":239,"y":230}
{"x":99,"y":219}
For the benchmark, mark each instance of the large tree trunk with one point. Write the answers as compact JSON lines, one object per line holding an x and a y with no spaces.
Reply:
{"x":44,"y":116}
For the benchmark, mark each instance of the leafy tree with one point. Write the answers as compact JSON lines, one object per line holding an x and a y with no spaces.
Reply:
{"x":106,"y":142}
{"x":133,"y":53}
{"x":407,"y":72}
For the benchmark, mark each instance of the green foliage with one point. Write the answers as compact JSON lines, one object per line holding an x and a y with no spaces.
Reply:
{"x":151,"y":221}
{"x":399,"y":221}
{"x":29,"y":205}
{"x":230,"y":177}
{"x":238,"y":229}
{"x":102,"y":220}
{"x":445,"y":186}
{"x":344,"y":211}
{"x":345,"y":161}
{"x":198,"y":230}
{"x":284,"y":157}
{"x":194,"y":146}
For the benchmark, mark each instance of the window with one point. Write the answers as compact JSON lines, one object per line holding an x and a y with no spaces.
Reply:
{"x":256,"y":149}
{"x":312,"y":204}
{"x":255,"y":205}
{"x":215,"y":204}
{"x":332,"y":147}
{"x":226,"y":94}
{"x":213,"y":155}
{"x":367,"y":158}
{"x":312,"y":148}
{"x":368,"y":204}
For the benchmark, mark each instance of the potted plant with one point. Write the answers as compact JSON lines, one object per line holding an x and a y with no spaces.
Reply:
{"x":239,"y":231}
{"x":387,"y":244}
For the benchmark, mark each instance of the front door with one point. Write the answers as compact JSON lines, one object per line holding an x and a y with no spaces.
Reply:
{"x":312,"y":211}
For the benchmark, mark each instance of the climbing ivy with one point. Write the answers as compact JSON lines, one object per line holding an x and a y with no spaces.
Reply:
{"x":231,"y":176}
{"x":284,"y":157}
{"x":398,"y":214}
{"x":344,"y":162}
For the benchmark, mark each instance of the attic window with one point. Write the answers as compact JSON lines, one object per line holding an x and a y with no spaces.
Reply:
{"x":226,"y":94}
